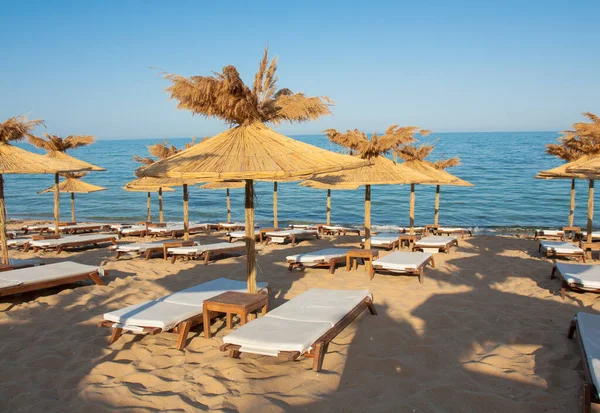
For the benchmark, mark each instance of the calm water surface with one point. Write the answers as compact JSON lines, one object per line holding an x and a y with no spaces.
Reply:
{"x":500,"y":165}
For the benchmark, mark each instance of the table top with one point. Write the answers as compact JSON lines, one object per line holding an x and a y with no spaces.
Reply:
{"x":236,"y":298}
{"x":363,"y":252}
{"x":408,"y":236}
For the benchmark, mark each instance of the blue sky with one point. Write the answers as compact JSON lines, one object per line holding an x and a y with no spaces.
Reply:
{"x":84,"y":67}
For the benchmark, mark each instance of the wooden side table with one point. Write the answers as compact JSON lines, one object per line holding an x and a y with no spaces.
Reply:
{"x":589,"y":247}
{"x":572,"y":232}
{"x":407,"y":239}
{"x":366,"y":255}
{"x":233,"y":302}
{"x":431,"y":228}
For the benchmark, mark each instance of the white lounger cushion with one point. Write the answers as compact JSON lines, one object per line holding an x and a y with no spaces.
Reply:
{"x":290,"y":232}
{"x":447,"y":229}
{"x":18,"y":242}
{"x":297,"y":324}
{"x":383,"y":238}
{"x":549,"y":232}
{"x":48,"y":272}
{"x":133,"y":228}
{"x":303,"y":226}
{"x":589,"y":331}
{"x":140,"y":246}
{"x":232,"y":224}
{"x":585,"y":275}
{"x":435,"y":241}
{"x":69,"y":239}
{"x":318,"y":256}
{"x":201,"y":249}
{"x":75,"y":227}
{"x":270,"y":335}
{"x":403,"y":261}
{"x":338,"y":228}
{"x":168,"y":311}
{"x":320,"y":305}
{"x":242,"y":234}
{"x":560,"y":247}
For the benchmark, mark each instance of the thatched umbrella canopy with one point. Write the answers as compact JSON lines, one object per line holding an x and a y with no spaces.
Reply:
{"x":15,"y":160}
{"x":310,"y":184}
{"x":150,"y":185}
{"x":250,"y":150}
{"x":414,"y":158}
{"x":226,"y":185}
{"x":576,"y":145}
{"x":163,"y":150}
{"x":381,"y":171}
{"x":73,"y":184}
{"x":56,"y":148}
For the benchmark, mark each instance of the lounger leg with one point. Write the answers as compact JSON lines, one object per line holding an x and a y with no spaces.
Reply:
{"x":553,"y":272}
{"x":184,"y":330}
{"x":319,"y":351}
{"x":371,"y":272}
{"x":234,"y":353}
{"x":148,"y":253}
{"x":206,"y":322}
{"x":371,"y":307}
{"x":58,"y":250}
{"x":432,"y":262}
{"x":173,"y":258}
{"x":420,"y":273}
{"x":572,"y":328}
{"x":96,"y":278}
{"x":563,"y":289}
{"x":118,"y":255}
{"x":116,"y":333}
{"x":293,"y":240}
{"x":587,"y":397}
{"x":206,"y":257}
{"x":331,"y":266}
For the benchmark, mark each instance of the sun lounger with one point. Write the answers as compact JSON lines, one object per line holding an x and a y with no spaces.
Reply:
{"x":46,"y":276}
{"x":180,"y":311}
{"x":292,"y":235}
{"x":177,"y":230}
{"x":328,"y":257}
{"x":77,"y":228}
{"x":549,"y":233}
{"x":147,"y":249}
{"x":387,"y":240}
{"x":404,"y":263}
{"x":417,"y":230}
{"x":453,"y":230}
{"x":333,"y":230}
{"x":435,"y":243}
{"x":69,"y":241}
{"x":561,"y":249}
{"x":206,"y":251}
{"x":305,"y":325}
{"x":577,"y":277}
{"x":230,"y":226}
{"x":588,"y":338}
{"x":305,"y":226}
{"x":241,"y":235}
{"x":18,"y":242}
{"x":133,"y":230}
{"x":43,"y":227}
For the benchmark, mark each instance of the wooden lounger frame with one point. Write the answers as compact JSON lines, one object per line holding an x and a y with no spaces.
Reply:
{"x":560,"y":237}
{"x":207,"y":254}
{"x":340,"y":231}
{"x":182,"y":328}
{"x":257,"y":237}
{"x":390,"y":246}
{"x":420,"y":271}
{"x":60,"y":248}
{"x":462,"y":232}
{"x":446,"y":248}
{"x":319,"y":347}
{"x":590,"y":393}
{"x":93,"y":275}
{"x":160,"y":248}
{"x":571,"y":286}
{"x":579,"y":255}
{"x":294,"y":238}
{"x":331,"y":264}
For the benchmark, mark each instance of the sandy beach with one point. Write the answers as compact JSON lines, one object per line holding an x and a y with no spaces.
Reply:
{"x":485,"y":332}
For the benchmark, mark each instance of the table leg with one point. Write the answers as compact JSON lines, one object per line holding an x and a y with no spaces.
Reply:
{"x":348,"y":261}
{"x":229,"y":321}
{"x":355,"y":264}
{"x":243,"y":318}
{"x":206,"y":322}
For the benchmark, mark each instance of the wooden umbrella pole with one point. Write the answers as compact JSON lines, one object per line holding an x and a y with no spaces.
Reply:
{"x":3,"y":223}
{"x":56,"y":204}
{"x":186,"y":224}
{"x":329,"y":207}
{"x":572,"y":206}
{"x":412,"y":209}
{"x":367,"y":216}
{"x":73,"y":206}
{"x":590,"y":210}
{"x":149,"y":214}
{"x":275,"y":223}
{"x":250,"y":240}
{"x":436,"y":211}
{"x":228,"y":205}
{"x":160,"y":206}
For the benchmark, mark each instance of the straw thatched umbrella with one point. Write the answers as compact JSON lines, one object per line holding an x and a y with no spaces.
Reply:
{"x":227,"y":186}
{"x":250,"y":150}
{"x":382,"y":171}
{"x":414,"y":158}
{"x":73,"y":184}
{"x":15,"y":160}
{"x":150,"y":185}
{"x":583,"y":140}
{"x":329,"y":188}
{"x":56,"y":148}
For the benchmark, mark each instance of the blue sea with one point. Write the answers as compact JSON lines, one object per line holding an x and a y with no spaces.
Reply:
{"x":501,"y":165}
